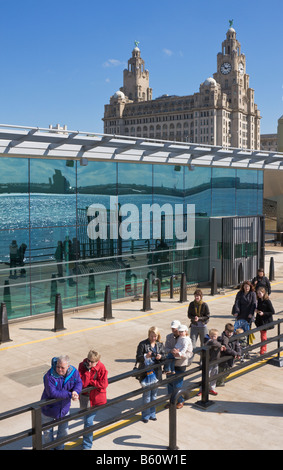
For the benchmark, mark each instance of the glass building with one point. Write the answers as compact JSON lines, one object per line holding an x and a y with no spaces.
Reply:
{"x":45,"y":243}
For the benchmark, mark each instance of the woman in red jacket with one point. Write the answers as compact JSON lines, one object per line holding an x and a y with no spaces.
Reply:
{"x":93,"y":374}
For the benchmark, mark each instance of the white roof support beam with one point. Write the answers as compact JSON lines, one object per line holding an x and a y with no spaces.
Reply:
{"x":19,"y":141}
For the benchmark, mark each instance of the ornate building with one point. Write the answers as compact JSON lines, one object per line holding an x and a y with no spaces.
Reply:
{"x":222,"y":113}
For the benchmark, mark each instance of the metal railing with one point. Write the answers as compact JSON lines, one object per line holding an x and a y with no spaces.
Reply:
{"x":38,"y":428}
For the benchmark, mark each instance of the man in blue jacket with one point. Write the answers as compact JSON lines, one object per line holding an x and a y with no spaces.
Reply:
{"x":61,"y":381}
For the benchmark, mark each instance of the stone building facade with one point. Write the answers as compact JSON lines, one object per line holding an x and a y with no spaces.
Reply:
{"x":221,"y":113}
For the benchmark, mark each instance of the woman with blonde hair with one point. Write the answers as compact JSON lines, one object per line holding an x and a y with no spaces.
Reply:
{"x":93,"y":373}
{"x":150,"y":348}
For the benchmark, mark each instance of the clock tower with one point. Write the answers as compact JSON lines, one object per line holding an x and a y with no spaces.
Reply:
{"x":237,"y":96}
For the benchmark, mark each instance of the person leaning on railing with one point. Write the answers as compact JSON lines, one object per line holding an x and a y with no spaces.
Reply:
{"x":150,"y":348}
{"x":62,"y":380}
{"x":93,"y":374}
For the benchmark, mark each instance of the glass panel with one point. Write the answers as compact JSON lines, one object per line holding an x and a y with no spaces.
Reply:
{"x":45,"y":241}
{"x":134,"y":191}
{"x":246,"y":192}
{"x":14,"y":252}
{"x":260,"y":192}
{"x":53,"y":192}
{"x":96,"y":185}
{"x":168,"y":191}
{"x":14,"y":198}
{"x":223,"y":192}
{"x":43,"y":294}
{"x":16,"y":296}
{"x":198,"y":189}
{"x":14,"y":272}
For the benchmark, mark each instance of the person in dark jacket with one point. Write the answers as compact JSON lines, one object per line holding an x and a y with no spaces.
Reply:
{"x":264,"y":315}
{"x":61,"y":381}
{"x":93,"y":374}
{"x":198,"y":313}
{"x":260,"y":280}
{"x":213,"y":340}
{"x":245,"y":303}
{"x":151,"y":348}
{"x":229,"y":348}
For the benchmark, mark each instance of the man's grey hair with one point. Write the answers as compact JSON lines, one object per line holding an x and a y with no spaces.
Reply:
{"x":64,"y":358}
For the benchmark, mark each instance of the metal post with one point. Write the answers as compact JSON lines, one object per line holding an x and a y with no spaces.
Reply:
{"x":107,"y":304}
{"x":173,"y":420}
{"x":183,"y":288}
{"x":158,"y":282}
{"x":36,"y":428}
{"x":205,"y":384}
{"x":277,"y":361}
{"x":240,"y":273}
{"x":58,"y":317}
{"x":271,"y":269}
{"x":4,"y":327}
{"x":146,"y":296}
{"x":213,"y":282}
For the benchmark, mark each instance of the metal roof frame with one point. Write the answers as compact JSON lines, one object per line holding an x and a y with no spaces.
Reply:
{"x":35,"y":142}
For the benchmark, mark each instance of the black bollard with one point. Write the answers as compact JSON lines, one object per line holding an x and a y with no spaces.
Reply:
{"x":271,"y":269}
{"x":183,"y":288}
{"x":240,"y":273}
{"x":4,"y":328}
{"x":158,"y":282}
{"x":146,"y":296}
{"x":213,"y":282}
{"x":107,"y":304}
{"x":58,"y":315}
{"x":91,"y":285}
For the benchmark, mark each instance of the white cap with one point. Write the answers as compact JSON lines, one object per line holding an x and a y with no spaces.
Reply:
{"x":175,"y":324}
{"x":183,"y":328}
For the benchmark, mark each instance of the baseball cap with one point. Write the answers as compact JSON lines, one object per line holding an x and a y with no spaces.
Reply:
{"x":183,"y":328}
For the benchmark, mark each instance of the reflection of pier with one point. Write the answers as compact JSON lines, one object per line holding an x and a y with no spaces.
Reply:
{"x":96,"y":248}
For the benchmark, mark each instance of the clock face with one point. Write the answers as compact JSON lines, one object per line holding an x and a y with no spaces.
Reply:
{"x":241,"y":68}
{"x":225,"y":68}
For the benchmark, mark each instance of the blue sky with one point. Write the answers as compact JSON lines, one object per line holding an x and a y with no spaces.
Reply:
{"x":61,"y":60}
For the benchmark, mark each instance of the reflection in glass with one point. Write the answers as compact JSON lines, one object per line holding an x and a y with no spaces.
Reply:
{"x":44,"y":239}
{"x":53,"y":193}
{"x":97,"y":183}
{"x":260,"y":192}
{"x":198,"y":189}
{"x":223,"y":192}
{"x":247,"y":191}
{"x":14,"y":198}
{"x":134,"y":190}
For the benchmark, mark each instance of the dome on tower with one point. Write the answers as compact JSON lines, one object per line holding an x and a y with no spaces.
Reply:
{"x":119,"y":94}
{"x":210,"y":81}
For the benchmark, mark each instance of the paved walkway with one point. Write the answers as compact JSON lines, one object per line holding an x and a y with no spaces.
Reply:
{"x":247,"y":413}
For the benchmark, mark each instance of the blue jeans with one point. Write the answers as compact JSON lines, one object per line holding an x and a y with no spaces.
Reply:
{"x":176,"y":384}
{"x":48,"y":435}
{"x":88,"y":421}
{"x":170,"y":367}
{"x":147,"y":397}
{"x":88,"y":438}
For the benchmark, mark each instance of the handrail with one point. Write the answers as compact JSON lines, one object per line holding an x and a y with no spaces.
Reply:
{"x":35,"y":408}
